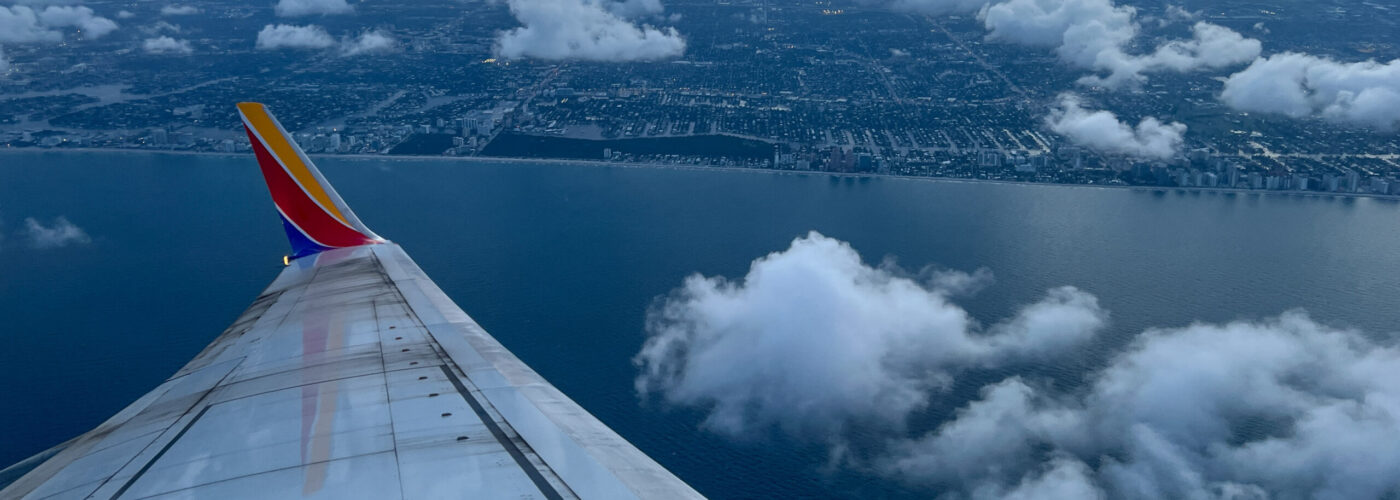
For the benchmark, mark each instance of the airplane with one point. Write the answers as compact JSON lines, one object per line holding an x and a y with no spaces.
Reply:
{"x":351,"y":376}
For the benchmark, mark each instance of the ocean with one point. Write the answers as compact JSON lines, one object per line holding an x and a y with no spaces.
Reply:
{"x":561,"y":262}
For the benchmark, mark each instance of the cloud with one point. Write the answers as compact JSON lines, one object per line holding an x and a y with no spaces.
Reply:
{"x":20,"y":24}
{"x":285,"y":36}
{"x":92,"y":27}
{"x":179,"y":10}
{"x":584,"y":30}
{"x":1177,"y":12}
{"x":4,"y":62}
{"x":988,"y":445}
{"x":1094,"y":34}
{"x":158,"y":27}
{"x":297,"y":8}
{"x":166,"y":45}
{"x":1300,"y":85}
{"x":125,"y":14}
{"x":1101,"y":130}
{"x":812,"y":339}
{"x":61,"y":234}
{"x":1283,"y":408}
{"x":293,"y":37}
{"x":1210,"y":47}
{"x":369,"y":42}
{"x":1063,"y":479}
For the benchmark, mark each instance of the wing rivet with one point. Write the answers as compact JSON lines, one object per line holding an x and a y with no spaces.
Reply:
{"x":392,"y":327}
{"x":445,"y":415}
{"x":405,"y":350}
{"x":461,"y":438}
{"x":411,"y":363}
{"x":432,"y":394}
{"x":422,"y":378}
{"x":398,"y":338}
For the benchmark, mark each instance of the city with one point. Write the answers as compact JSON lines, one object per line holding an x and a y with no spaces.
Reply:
{"x":806,"y":86}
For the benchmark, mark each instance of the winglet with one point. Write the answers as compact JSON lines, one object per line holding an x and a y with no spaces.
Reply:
{"x":315,"y":217}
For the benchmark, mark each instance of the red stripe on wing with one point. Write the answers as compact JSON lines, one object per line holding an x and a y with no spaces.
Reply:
{"x":300,"y":208}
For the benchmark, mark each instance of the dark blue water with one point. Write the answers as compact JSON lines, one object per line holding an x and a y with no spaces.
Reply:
{"x":560,"y":263}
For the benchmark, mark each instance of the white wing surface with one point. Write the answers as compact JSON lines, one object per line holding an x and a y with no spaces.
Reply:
{"x":351,"y":376}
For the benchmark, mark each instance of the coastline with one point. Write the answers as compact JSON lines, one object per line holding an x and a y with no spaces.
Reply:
{"x":598,"y":163}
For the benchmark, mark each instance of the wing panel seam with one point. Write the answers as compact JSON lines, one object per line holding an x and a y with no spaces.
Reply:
{"x":501,"y":437}
{"x":161,"y":453}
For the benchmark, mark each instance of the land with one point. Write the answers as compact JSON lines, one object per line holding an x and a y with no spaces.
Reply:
{"x":794,"y":86}
{"x":715,"y":168}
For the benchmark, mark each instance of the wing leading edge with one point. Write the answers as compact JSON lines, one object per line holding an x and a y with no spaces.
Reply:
{"x":351,"y":376}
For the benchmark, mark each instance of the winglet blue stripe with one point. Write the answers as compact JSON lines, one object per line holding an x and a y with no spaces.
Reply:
{"x":301,"y":245}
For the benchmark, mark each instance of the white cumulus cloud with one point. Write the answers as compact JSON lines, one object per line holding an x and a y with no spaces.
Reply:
{"x":1103,"y":131}
{"x":1300,"y":85}
{"x":1210,"y":47}
{"x":1179,"y":13}
{"x":21,"y":24}
{"x":369,"y":42}
{"x":293,"y":37}
{"x":60,"y":234}
{"x":159,"y":27}
{"x":166,"y":45}
{"x":1283,"y":408}
{"x":297,"y":8}
{"x":812,"y":339}
{"x":1095,"y":34}
{"x":179,"y":10}
{"x":583,"y":30}
{"x":92,"y":26}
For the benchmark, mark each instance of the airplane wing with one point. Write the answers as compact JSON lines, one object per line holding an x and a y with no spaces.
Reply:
{"x":351,"y":376}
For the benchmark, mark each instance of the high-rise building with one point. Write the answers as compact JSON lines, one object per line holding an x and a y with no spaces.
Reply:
{"x":989,"y":159}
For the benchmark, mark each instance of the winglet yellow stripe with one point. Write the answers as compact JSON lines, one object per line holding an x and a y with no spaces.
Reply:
{"x":281,"y":147}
